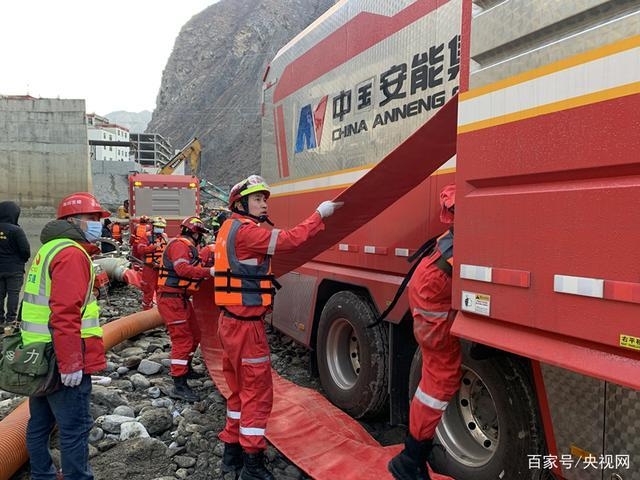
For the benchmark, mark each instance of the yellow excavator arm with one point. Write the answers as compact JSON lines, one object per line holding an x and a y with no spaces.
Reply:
{"x":190,"y":151}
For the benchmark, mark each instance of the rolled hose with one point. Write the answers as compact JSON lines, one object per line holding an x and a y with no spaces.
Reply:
{"x":13,"y":428}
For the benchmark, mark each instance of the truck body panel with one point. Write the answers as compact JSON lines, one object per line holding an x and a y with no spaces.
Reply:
{"x":173,"y":197}
{"x":547,"y":171}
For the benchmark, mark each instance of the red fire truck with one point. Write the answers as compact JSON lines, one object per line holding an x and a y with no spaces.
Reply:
{"x":534,"y":108}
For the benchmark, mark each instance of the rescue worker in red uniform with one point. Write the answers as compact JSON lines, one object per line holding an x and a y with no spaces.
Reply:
{"x":179,"y":276}
{"x":139,"y":234}
{"x":59,"y":308}
{"x":244,"y":289}
{"x":429,"y":294}
{"x":150,"y":250}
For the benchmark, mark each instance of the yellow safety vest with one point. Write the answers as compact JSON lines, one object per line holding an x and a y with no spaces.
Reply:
{"x":37,"y":292}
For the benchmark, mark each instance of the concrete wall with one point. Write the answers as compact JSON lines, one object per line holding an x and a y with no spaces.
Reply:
{"x":110,"y":182}
{"x":44,"y":152}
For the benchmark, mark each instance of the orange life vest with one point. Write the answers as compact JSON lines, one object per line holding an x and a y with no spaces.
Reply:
{"x":116,"y":232}
{"x":142,"y":229}
{"x":240,"y":282}
{"x":154,"y":258}
{"x":169,"y":277}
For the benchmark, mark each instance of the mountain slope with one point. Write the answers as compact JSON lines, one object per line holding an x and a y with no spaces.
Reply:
{"x":211,"y":86}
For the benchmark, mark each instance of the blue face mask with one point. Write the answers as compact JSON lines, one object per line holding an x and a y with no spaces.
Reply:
{"x":158,"y":230}
{"x":93,"y":230}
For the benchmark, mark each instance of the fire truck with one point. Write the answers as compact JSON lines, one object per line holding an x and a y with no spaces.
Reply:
{"x":532,"y":109}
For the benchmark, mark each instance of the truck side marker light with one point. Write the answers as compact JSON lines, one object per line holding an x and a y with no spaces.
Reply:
{"x":501,"y":276}
{"x":598,"y":288}
{"x":375,"y":250}
{"x":345,"y":247}
{"x":402,"y":252}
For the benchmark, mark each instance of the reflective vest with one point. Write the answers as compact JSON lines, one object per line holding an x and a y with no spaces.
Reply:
{"x":167,"y":274}
{"x":116,"y":232}
{"x":37,"y":291}
{"x":240,"y":282}
{"x":154,"y":258}
{"x":445,"y":248}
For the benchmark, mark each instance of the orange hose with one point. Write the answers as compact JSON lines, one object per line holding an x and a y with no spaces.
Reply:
{"x":13,"y":428}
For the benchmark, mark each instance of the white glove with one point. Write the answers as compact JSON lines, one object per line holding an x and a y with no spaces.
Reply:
{"x":212,"y":271}
{"x":326,"y":208}
{"x":71,"y":379}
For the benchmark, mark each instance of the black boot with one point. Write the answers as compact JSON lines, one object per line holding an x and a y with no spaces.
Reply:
{"x":182,"y":390}
{"x":411,"y":463}
{"x":231,"y":458}
{"x":254,"y":468}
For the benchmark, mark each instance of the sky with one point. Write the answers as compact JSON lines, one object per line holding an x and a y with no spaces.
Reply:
{"x":110,"y":52}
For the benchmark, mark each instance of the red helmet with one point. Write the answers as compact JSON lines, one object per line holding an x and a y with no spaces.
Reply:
{"x":251,"y":184}
{"x":194,"y":224}
{"x":447,"y":203}
{"x":79,"y":203}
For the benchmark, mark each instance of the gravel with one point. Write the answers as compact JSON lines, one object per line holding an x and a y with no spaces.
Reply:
{"x":140,"y":433}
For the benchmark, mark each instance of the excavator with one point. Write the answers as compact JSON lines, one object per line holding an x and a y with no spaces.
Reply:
{"x":190,"y":151}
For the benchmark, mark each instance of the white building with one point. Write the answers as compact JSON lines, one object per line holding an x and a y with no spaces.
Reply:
{"x":107,"y":140}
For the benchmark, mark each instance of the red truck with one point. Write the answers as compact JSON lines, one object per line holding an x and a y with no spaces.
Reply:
{"x":531,"y":108}
{"x":173,"y":197}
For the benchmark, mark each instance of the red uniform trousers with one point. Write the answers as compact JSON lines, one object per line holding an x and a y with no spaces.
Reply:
{"x":182,"y":325}
{"x":149,"y":285}
{"x":246,"y":365}
{"x":430,"y":301}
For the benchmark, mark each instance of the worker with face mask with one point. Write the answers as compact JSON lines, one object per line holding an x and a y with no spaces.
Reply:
{"x":244,"y":290}
{"x":59,"y":307}
{"x":179,"y":276}
{"x":429,"y":294}
{"x":150,"y":250}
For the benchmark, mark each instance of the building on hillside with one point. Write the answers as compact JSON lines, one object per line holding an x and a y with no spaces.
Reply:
{"x":151,"y":150}
{"x":115,"y":139}
{"x":44,"y":151}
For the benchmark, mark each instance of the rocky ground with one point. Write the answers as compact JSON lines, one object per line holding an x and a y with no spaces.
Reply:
{"x":141,"y":433}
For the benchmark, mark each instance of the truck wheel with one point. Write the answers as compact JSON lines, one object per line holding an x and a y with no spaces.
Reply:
{"x":490,"y":426}
{"x":352,"y":359}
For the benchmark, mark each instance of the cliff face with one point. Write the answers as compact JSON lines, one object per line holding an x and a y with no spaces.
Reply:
{"x":211,"y":86}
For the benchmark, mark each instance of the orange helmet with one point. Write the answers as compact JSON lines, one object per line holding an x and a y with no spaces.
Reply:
{"x":79,"y":203}
{"x":194,"y":224}
{"x":447,"y":203}
{"x":251,"y":184}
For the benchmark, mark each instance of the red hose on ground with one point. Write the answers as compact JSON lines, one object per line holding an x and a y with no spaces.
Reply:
{"x":13,"y":428}
{"x":319,"y":438}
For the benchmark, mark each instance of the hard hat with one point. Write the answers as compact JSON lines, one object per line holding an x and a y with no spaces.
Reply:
{"x":159,"y":222}
{"x":251,"y":184}
{"x":194,"y":224}
{"x":144,"y":219}
{"x":79,"y":203}
{"x":447,"y":203}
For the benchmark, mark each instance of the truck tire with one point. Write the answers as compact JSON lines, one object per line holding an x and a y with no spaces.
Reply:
{"x":352,"y":359}
{"x":491,"y":426}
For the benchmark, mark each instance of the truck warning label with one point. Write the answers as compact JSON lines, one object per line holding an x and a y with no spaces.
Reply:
{"x":476,"y":303}
{"x":628,"y":341}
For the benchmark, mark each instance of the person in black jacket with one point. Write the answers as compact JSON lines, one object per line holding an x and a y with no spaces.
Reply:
{"x":14,"y":254}
{"x":106,"y":233}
